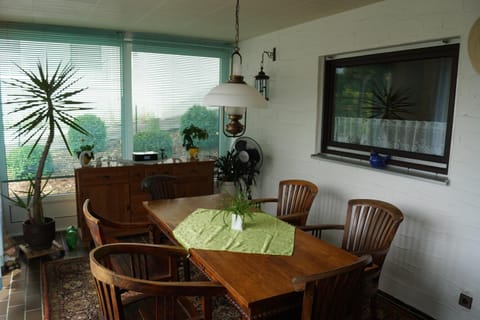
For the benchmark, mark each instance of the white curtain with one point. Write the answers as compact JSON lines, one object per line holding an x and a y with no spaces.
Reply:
{"x":417,"y":136}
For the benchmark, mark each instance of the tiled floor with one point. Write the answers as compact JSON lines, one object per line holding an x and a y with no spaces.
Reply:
{"x":21,"y":296}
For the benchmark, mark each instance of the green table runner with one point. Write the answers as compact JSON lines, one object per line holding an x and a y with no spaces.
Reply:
{"x":263,"y":233}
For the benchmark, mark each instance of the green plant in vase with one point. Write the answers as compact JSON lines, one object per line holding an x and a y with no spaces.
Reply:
{"x":189,"y":134}
{"x":239,"y":208}
{"x":85,"y":154}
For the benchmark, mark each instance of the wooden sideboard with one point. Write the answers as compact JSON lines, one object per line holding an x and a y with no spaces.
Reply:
{"x":115,"y":191}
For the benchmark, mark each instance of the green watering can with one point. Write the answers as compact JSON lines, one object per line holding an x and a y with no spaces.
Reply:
{"x":71,"y":235}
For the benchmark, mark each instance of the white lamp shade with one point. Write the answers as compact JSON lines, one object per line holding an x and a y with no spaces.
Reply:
{"x":235,"y":95}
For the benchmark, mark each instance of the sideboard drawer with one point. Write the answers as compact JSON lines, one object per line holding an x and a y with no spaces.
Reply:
{"x":106,"y":177}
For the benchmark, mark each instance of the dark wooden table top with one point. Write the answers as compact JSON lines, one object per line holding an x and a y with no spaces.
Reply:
{"x":258,"y":283}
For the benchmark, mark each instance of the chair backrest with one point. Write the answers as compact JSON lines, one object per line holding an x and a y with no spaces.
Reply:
{"x":136,"y":280}
{"x":334,"y":294}
{"x":159,"y":186}
{"x":295,"y":196}
{"x":370,"y":227}
{"x":94,"y":224}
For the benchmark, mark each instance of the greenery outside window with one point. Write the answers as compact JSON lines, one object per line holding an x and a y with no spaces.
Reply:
{"x":97,"y":60}
{"x":395,"y":103}
{"x":142,"y":93}
{"x":167,"y":91}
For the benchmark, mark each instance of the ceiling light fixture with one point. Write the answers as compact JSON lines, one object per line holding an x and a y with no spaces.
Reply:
{"x":235,"y":96}
{"x":261,"y":79}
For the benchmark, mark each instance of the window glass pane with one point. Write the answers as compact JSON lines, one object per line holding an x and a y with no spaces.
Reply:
{"x":98,"y":67}
{"x":168,"y":90}
{"x":400,"y":105}
{"x":396,"y":103}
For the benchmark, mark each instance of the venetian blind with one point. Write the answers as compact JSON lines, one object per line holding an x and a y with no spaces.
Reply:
{"x":97,"y":58}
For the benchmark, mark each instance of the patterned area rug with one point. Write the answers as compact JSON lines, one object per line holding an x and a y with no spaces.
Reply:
{"x":69,"y":290}
{"x":69,"y":294}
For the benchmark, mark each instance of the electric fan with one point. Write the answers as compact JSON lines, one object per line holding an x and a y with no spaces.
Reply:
{"x":250,"y":156}
{"x":248,"y":151}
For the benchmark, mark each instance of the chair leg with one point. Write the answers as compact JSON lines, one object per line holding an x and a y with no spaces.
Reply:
{"x":156,"y":236}
{"x":186,"y":266}
{"x":373,"y":307}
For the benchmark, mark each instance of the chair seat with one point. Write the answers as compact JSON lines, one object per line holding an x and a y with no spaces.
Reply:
{"x":133,"y":292}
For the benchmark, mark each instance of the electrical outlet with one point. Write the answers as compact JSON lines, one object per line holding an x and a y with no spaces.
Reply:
{"x":465,"y":301}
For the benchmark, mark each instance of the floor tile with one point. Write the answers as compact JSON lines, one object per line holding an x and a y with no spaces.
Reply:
{"x":33,"y":315}
{"x":33,"y":302}
{"x":16,"y":313}
{"x":3,"y":307}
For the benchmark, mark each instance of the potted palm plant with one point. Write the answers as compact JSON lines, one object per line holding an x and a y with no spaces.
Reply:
{"x":189,"y":134}
{"x":46,"y":102}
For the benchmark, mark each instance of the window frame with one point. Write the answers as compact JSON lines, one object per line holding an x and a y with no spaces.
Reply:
{"x":125,"y":40}
{"x":399,"y":158}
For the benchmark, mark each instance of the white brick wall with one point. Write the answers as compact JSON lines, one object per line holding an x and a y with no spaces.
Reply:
{"x":436,"y":253}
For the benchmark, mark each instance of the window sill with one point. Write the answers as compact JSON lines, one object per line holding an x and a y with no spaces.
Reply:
{"x":420,"y":175}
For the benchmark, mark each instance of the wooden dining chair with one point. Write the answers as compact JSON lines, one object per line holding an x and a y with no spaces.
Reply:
{"x":369,"y":228}
{"x":131,"y":294}
{"x":104,"y":231}
{"x":334,"y":294}
{"x":159,"y":186}
{"x":295,"y":198}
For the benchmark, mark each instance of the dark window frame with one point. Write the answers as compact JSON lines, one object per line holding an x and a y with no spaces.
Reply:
{"x":406,"y":159}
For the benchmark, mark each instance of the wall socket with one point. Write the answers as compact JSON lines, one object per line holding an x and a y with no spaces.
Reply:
{"x":465,"y":301}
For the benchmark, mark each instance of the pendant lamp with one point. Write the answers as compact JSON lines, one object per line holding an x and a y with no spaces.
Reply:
{"x":235,"y":96}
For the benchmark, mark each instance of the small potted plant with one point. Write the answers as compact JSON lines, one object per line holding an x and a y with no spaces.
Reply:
{"x":189,"y":134}
{"x":239,"y":208}
{"x":85,"y":154}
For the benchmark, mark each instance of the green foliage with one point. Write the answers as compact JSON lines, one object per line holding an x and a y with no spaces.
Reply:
{"x":202,"y":117}
{"x":240,"y":205}
{"x":351,"y":88}
{"x":46,"y":100}
{"x":24,"y":199}
{"x":193,"y":132}
{"x":23,"y":166}
{"x":153,"y":140}
{"x":228,"y":167}
{"x":388,"y":102}
{"x":97,"y":129}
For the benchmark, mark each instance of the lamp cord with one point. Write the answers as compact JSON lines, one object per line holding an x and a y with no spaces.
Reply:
{"x":237,"y":25}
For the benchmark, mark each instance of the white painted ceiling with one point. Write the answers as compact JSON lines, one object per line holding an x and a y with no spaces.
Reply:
{"x":208,"y":19}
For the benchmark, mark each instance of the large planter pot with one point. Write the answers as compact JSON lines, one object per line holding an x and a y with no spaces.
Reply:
{"x":39,"y":236}
{"x":228,"y":187}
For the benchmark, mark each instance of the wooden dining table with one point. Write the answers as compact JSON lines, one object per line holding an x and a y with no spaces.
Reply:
{"x":260,"y":285}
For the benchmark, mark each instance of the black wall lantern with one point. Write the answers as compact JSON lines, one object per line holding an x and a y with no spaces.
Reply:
{"x":261,"y":79}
